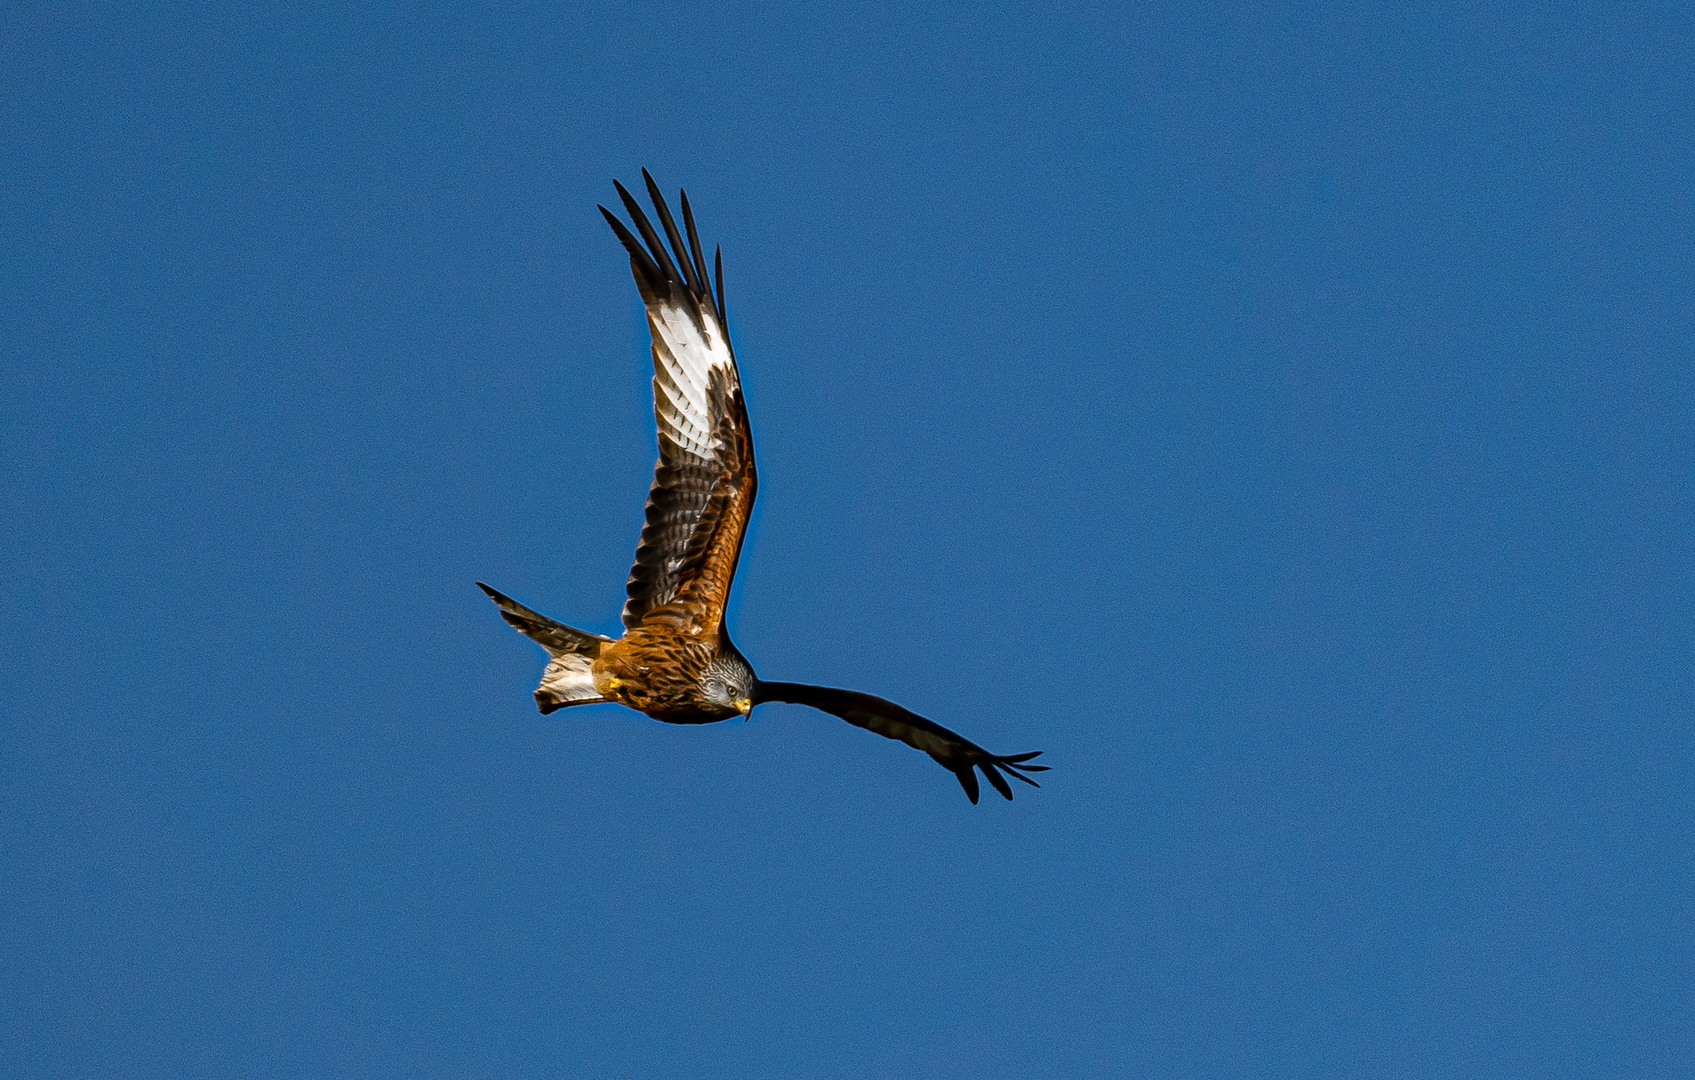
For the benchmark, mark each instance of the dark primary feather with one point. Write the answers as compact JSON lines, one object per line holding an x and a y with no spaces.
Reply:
{"x":665,"y":269}
{"x":950,"y":750}
{"x":718,"y":275}
{"x":697,"y":283}
{"x":695,"y":249}
{"x":653,"y":262}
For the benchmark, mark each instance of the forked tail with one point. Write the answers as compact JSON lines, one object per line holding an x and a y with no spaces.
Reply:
{"x":569,"y":678}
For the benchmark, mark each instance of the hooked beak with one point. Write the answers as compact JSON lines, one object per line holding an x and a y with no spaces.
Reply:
{"x":744,"y":706}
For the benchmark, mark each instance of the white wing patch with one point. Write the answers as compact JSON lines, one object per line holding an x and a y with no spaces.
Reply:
{"x":688,"y":344}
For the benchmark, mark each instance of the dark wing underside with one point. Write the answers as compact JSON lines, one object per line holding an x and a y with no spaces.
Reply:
{"x":958,"y":755}
{"x":704,"y":482}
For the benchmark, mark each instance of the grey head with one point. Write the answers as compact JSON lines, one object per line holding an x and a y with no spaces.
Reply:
{"x":729,"y":683}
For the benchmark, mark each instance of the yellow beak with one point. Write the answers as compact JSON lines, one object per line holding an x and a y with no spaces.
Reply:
{"x":744,"y":706}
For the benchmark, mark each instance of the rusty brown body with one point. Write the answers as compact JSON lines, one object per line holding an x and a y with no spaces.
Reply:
{"x":657,"y":668}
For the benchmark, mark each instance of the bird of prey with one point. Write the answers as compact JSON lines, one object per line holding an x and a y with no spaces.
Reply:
{"x":675,"y":661}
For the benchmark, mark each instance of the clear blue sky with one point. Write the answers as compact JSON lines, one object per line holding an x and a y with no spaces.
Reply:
{"x":1280,"y":416}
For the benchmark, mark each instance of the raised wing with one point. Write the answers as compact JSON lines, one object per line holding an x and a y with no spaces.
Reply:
{"x":952,"y":752}
{"x":704,"y":483}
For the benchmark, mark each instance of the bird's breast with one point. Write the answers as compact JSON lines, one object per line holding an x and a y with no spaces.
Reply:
{"x":657,"y":673}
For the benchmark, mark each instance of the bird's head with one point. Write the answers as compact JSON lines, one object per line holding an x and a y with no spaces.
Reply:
{"x":729,"y":684}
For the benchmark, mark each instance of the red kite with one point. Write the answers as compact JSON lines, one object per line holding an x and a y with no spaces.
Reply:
{"x":675,"y":661}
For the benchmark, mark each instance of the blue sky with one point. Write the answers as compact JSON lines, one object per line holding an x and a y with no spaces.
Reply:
{"x":1279,"y":415}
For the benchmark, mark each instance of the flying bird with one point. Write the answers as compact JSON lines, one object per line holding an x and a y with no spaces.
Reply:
{"x":676,"y":662}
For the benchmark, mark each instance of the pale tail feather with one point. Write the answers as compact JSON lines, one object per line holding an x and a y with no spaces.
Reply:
{"x":568,"y":680}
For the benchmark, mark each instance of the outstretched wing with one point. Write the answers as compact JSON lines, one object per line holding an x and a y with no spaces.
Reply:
{"x":704,"y":483}
{"x":952,"y":752}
